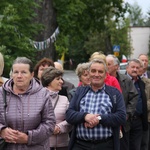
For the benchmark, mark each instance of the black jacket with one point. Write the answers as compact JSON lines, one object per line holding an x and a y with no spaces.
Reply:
{"x":130,"y":96}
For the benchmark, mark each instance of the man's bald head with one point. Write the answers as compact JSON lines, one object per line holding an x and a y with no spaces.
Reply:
{"x":58,"y":66}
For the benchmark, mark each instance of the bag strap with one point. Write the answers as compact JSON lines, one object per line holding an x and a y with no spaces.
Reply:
{"x":5,"y":104}
{"x":56,"y":102}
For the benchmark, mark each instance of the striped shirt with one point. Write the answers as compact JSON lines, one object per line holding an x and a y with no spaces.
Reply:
{"x":95,"y":103}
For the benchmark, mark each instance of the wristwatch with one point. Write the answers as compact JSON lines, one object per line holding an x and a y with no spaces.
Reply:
{"x":99,"y":118}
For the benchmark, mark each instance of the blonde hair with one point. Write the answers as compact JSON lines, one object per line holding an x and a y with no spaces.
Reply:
{"x":1,"y":64}
{"x":98,"y":55}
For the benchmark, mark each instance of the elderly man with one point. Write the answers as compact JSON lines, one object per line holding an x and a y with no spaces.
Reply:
{"x":144,"y":59}
{"x":97,"y":112}
{"x":139,"y":121}
{"x":145,"y":138}
{"x":129,"y":93}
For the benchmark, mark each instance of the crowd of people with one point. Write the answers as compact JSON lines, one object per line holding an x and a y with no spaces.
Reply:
{"x":107,"y":110}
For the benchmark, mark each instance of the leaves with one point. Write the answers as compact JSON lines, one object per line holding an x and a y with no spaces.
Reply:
{"x":136,"y":16}
{"x":17,"y":28}
{"x":85,"y":23}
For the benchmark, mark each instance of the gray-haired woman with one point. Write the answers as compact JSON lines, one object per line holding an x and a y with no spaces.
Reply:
{"x":52,"y":79}
{"x":29,"y":112}
{"x":82,"y":72}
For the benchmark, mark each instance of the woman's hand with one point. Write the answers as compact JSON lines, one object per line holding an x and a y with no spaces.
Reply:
{"x":21,"y":138}
{"x":9,"y":135}
{"x":14,"y":136}
{"x":56,"y":130}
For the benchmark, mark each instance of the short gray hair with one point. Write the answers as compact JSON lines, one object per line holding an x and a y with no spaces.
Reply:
{"x":100,"y":61}
{"x":134,"y":60}
{"x":81,"y":68}
{"x":116,"y":60}
{"x":24,"y":60}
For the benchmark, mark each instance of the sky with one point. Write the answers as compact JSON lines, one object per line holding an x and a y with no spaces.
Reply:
{"x":144,"y":4}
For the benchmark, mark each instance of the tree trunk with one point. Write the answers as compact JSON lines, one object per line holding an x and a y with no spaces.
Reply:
{"x":46,"y":15}
{"x":108,"y":45}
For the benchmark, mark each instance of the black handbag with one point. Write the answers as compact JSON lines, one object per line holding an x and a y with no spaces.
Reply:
{"x":3,"y":144}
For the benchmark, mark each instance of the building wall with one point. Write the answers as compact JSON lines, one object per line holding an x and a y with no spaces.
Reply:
{"x":140,"y":37}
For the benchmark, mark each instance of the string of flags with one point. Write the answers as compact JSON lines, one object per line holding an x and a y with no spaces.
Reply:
{"x":46,"y":43}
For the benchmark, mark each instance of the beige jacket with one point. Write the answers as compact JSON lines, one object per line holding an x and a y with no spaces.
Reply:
{"x":147,"y":92}
{"x":62,"y":139}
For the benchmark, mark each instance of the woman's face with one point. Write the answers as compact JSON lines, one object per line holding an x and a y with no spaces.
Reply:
{"x":85,"y":79}
{"x":56,"y":84}
{"x":40,"y":71}
{"x":21,"y":76}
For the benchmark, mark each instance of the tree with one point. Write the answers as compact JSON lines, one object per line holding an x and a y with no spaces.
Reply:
{"x":147,"y":21}
{"x":114,"y":34}
{"x":17,"y":29}
{"x":119,"y":36}
{"x":46,"y":15}
{"x":79,"y":19}
{"x":135,"y":15}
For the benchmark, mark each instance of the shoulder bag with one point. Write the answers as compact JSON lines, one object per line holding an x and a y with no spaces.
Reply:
{"x":2,"y":141}
{"x":56,"y":102}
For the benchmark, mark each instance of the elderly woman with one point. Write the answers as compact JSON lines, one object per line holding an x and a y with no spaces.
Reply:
{"x":52,"y":79}
{"x":83,"y":74}
{"x":29,"y":113}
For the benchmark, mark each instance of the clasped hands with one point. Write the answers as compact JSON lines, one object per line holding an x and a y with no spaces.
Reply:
{"x":91,"y":120}
{"x":14,"y":136}
{"x":56,"y":130}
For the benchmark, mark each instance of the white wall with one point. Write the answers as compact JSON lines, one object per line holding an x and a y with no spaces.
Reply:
{"x":140,"y":37}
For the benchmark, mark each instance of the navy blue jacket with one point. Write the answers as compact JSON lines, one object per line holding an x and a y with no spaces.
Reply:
{"x":115,"y":119}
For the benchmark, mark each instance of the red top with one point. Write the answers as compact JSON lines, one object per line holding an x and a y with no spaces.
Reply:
{"x":110,"y":80}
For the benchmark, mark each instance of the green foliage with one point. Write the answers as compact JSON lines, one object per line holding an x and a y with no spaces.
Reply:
{"x":85,"y":23}
{"x":135,"y":15}
{"x":17,"y":28}
{"x":95,"y":40}
{"x":119,"y":35}
{"x":63,"y":45}
{"x":147,"y":21}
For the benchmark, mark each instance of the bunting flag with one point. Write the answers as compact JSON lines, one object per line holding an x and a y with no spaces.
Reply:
{"x":45,"y":44}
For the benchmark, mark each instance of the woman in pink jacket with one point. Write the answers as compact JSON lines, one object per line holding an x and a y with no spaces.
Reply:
{"x":52,"y":79}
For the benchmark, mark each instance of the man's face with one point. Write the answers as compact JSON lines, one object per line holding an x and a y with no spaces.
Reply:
{"x":133,"y":69}
{"x":97,"y":74}
{"x":141,"y":71}
{"x":112,"y":68}
{"x":144,"y":59}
